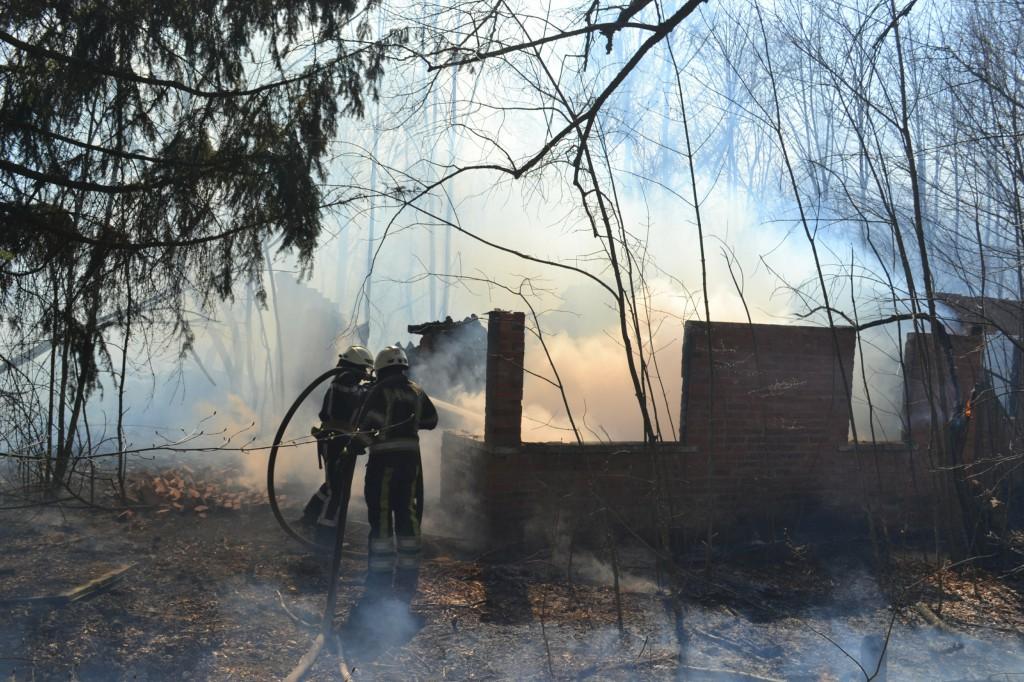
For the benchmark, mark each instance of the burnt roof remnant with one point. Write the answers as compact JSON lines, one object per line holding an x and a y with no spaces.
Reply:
{"x":997,"y":327}
{"x":984,"y":314}
{"x":451,"y":356}
{"x":433,"y":330}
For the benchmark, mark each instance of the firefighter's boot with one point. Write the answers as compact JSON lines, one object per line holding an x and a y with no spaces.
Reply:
{"x":408,"y":567}
{"x":378,"y":585}
{"x":406,"y":584}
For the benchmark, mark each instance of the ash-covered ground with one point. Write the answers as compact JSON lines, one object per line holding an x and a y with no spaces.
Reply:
{"x":225,"y":597}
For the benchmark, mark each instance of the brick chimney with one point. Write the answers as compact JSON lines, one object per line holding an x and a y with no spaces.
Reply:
{"x":503,"y":412}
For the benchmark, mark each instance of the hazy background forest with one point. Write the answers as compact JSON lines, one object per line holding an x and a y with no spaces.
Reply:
{"x":193,"y":225}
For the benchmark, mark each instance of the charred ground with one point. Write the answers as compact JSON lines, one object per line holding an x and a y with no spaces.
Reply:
{"x":229,"y":597}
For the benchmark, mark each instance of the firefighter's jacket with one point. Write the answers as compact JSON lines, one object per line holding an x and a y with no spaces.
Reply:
{"x":396,"y":408}
{"x":342,"y":401}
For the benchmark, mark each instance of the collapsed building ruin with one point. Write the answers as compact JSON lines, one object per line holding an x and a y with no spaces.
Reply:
{"x":765,"y":444}
{"x":450,"y":357}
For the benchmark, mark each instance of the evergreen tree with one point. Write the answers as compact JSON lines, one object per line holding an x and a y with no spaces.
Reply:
{"x":149,"y":151}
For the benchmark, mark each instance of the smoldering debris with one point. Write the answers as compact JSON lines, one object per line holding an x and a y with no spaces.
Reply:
{"x":586,"y":567}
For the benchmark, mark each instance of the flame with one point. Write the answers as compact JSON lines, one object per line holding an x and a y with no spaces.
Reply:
{"x":968,"y":409}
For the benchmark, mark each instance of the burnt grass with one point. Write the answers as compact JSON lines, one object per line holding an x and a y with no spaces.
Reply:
{"x":229,"y":597}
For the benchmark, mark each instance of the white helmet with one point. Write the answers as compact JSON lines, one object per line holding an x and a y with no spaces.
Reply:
{"x":392,"y":356}
{"x":358,"y":356}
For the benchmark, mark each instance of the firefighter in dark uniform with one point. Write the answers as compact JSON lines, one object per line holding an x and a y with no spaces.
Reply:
{"x":335,"y":446}
{"x":394,"y":411}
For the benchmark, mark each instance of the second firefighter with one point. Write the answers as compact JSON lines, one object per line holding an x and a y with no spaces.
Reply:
{"x":394,"y":411}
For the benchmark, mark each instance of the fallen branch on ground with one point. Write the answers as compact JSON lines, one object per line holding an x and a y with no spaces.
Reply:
{"x":83,"y":591}
{"x":934,"y":620}
{"x":299,"y":620}
{"x":721,"y":673}
{"x":346,"y":674}
{"x":307,"y":660}
{"x":956,"y":644}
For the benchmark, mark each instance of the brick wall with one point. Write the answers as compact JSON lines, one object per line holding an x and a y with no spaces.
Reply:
{"x":503,"y":413}
{"x":768,"y":380}
{"x":773,"y":402}
{"x":934,"y":403}
{"x":764,"y":449}
{"x":890,"y":483}
{"x":541,"y":493}
{"x":928,"y":380}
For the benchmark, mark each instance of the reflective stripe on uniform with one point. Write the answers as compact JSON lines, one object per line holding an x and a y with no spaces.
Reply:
{"x":381,"y":564}
{"x":409,"y":545}
{"x":382,"y":546}
{"x":397,"y":445}
{"x":408,"y":560}
{"x":385,"y":502}
{"x":414,"y":511}
{"x":324,"y":519}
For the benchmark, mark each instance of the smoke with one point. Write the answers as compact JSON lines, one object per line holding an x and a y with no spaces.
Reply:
{"x":757,"y":266}
{"x":250,"y":362}
{"x":220,"y":402}
{"x":588,"y":568}
{"x":598,"y":387}
{"x":256,"y":360}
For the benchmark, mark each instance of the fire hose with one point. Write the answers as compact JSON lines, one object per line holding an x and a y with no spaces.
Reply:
{"x":272,"y":463}
{"x":327,"y":625}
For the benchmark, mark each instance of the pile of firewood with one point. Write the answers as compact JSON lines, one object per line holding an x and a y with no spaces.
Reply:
{"x":183,"y":490}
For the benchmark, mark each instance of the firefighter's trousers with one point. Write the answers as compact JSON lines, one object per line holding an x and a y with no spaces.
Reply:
{"x":328,"y":506}
{"x":394,"y":503}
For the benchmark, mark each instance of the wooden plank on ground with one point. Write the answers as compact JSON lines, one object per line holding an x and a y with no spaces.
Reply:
{"x":78,"y":593}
